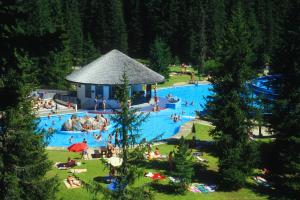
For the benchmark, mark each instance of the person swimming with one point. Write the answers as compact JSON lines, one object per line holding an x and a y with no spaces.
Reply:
{"x":71,"y":139}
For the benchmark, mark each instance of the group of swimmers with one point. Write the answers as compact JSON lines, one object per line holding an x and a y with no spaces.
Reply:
{"x":172,"y":99}
{"x":187,"y":103}
{"x":175,"y":117}
{"x":86,"y":123}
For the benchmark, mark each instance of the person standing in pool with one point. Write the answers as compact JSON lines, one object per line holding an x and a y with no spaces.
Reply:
{"x":71,"y":139}
{"x":110,"y":137}
{"x":103,"y":104}
{"x":96,"y":102}
{"x":117,"y":142}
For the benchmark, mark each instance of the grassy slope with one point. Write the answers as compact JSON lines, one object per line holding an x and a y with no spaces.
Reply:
{"x":179,"y":78}
{"x":96,"y":170}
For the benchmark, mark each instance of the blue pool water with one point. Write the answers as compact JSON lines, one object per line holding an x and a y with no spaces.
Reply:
{"x":157,"y":123}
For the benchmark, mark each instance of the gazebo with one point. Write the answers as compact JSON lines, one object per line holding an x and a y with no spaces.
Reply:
{"x":100,"y":77}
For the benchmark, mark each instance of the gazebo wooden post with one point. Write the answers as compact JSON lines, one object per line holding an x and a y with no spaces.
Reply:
{"x":148,"y":92}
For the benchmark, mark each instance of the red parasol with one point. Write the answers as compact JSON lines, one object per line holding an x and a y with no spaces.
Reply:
{"x":77,"y":147}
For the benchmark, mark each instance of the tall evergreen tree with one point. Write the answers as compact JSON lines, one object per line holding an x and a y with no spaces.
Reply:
{"x":128,"y":122}
{"x":183,"y":167}
{"x":160,"y":57}
{"x":133,"y":14}
{"x":286,"y":113}
{"x":110,"y":28}
{"x":90,"y":52}
{"x":73,"y":27}
{"x":179,"y":30}
{"x":269,"y":15}
{"x":229,"y":108}
{"x":198,"y":39}
{"x":219,"y":20}
{"x":23,"y":159}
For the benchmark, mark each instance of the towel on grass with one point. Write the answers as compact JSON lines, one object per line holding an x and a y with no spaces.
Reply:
{"x":114,"y":185}
{"x":69,"y":186}
{"x":174,"y":180}
{"x":201,"y":188}
{"x":77,"y":171}
{"x":155,"y":176}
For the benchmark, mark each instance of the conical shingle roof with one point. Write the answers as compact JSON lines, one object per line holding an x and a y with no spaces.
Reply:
{"x":108,"y":70}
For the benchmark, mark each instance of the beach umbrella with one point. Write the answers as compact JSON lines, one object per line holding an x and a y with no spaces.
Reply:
{"x":77,"y":147}
{"x":115,"y":161}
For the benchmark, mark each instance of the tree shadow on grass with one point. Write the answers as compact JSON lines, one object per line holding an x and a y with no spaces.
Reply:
{"x":171,"y":141}
{"x":162,"y":188}
{"x":102,"y":179}
{"x":203,"y":175}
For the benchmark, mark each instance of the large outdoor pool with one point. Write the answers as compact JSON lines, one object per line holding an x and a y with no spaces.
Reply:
{"x":158,"y":122}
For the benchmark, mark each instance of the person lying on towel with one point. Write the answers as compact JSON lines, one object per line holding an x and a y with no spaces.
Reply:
{"x":72,"y":181}
{"x":70,"y":163}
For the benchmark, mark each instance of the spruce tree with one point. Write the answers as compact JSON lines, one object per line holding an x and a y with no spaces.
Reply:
{"x":73,"y":27}
{"x":219,"y":21}
{"x":198,"y":38}
{"x":23,"y":159}
{"x":286,"y":113}
{"x":133,"y":15}
{"x":179,"y":30}
{"x":109,"y":26}
{"x":90,"y":52}
{"x":229,"y":108}
{"x":183,"y":170}
{"x":160,"y":57}
{"x":128,"y":121}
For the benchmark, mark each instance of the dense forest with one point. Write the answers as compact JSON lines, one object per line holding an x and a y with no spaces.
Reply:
{"x":57,"y":34}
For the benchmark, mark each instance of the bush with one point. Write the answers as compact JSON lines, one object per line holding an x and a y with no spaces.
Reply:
{"x":210,"y":66}
{"x":232,"y":179}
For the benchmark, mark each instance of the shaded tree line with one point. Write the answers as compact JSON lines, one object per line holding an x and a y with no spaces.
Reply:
{"x":60,"y":34}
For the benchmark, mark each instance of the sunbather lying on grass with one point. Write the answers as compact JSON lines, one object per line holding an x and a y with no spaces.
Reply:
{"x":73,"y":182}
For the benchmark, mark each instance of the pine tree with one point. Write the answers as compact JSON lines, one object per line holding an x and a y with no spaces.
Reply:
{"x":107,"y":26}
{"x":229,"y":108}
{"x":179,"y":30}
{"x":183,"y":167}
{"x":128,"y":122}
{"x":160,"y":57}
{"x":73,"y":27}
{"x":133,"y":20}
{"x":23,"y":159}
{"x":118,"y":27}
{"x":90,"y":52}
{"x":198,"y":38}
{"x":219,"y":20}
{"x":286,"y":112}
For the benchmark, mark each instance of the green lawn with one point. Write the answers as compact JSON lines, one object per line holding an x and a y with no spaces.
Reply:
{"x":177,"y":77}
{"x":96,"y":170}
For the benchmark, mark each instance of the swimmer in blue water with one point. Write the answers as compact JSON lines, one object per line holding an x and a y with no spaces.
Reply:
{"x":71,"y":139}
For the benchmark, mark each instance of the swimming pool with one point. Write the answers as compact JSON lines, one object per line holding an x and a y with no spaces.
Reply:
{"x":157,"y":123}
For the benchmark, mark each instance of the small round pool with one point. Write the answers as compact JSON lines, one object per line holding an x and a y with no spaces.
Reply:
{"x":158,"y":123}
